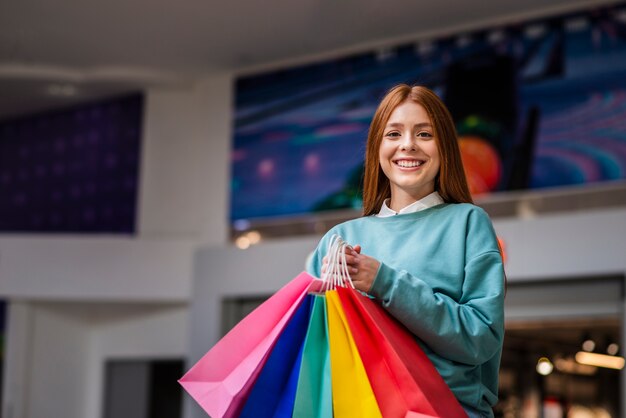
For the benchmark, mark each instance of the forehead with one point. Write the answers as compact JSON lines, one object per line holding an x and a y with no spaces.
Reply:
{"x":409,"y":112}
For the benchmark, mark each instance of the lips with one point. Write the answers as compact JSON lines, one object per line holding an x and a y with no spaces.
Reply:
{"x":408,"y":163}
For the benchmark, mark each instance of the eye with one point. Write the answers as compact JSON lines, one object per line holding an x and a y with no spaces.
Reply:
{"x":392,"y":134}
{"x":424,"y":134}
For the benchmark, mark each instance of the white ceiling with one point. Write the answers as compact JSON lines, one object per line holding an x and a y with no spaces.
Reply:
{"x":106,"y":47}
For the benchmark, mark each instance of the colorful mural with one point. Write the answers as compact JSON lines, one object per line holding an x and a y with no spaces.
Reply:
{"x":539,"y":104}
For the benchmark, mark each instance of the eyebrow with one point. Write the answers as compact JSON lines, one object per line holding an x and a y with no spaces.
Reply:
{"x":419,"y":125}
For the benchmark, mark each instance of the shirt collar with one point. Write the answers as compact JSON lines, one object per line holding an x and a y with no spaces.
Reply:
{"x":426,"y":202}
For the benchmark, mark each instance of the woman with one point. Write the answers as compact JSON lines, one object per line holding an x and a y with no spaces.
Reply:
{"x":424,"y":250}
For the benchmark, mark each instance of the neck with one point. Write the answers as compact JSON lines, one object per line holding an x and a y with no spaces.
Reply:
{"x":401,"y":199}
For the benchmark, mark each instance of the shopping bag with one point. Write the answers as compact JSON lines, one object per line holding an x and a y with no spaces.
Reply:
{"x":314,"y":393}
{"x":274,"y":391}
{"x":221,"y":380}
{"x":285,"y":405}
{"x":351,"y":389}
{"x":404,"y":381}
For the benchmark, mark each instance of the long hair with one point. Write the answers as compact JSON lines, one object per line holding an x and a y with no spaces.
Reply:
{"x":450,"y":182}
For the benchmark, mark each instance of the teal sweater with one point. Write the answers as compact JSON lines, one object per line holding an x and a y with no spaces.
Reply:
{"x":441,"y":275}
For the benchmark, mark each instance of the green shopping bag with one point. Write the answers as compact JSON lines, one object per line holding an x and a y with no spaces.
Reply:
{"x":314,"y":393}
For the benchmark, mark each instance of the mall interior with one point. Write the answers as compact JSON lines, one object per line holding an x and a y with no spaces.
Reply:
{"x":164,"y":169}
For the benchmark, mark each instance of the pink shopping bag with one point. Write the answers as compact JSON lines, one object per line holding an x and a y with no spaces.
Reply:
{"x":221,"y":380}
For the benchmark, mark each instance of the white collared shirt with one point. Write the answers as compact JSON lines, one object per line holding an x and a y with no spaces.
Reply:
{"x":426,"y":202}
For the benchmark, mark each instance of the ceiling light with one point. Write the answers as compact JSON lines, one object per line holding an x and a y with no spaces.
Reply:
{"x":600,"y":360}
{"x":577,"y":24}
{"x":385,"y":54}
{"x":496,"y":36}
{"x":254,"y":237}
{"x":568,"y":365}
{"x":588,"y":344}
{"x":425,"y":47}
{"x":612,"y":349}
{"x":535,"y":31}
{"x":463,"y":41}
{"x":544,"y":366}
{"x":242,"y":242}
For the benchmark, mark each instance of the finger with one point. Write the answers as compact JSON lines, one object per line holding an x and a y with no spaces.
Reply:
{"x":357,"y":249}
{"x":352,"y":268}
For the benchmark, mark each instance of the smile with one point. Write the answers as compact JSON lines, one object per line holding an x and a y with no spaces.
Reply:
{"x":408,"y":163}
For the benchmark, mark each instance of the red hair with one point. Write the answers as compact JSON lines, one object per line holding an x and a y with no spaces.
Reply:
{"x":450,"y":182}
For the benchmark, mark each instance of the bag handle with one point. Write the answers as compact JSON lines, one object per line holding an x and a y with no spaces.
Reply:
{"x":337,"y":274}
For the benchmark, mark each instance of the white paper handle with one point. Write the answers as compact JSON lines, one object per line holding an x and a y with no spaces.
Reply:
{"x":337,"y":273}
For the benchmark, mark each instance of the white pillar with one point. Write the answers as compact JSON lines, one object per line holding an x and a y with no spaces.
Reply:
{"x":185,"y":163}
{"x":18,"y":356}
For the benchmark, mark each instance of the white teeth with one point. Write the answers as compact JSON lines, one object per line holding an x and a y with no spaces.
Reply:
{"x":409,"y":164}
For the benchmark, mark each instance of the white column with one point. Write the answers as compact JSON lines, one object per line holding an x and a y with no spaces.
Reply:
{"x":18,"y":354}
{"x":185,"y":165}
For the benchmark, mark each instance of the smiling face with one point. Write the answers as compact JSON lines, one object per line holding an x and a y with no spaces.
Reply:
{"x":409,"y":155}
{"x":441,"y":168}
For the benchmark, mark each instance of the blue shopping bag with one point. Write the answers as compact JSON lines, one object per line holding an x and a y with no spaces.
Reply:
{"x":274,"y":391}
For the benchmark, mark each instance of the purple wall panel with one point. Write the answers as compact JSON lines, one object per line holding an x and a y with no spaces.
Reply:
{"x":72,"y":171}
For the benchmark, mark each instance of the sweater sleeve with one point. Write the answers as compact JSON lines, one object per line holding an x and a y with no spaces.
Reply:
{"x":469,"y":330}
{"x":314,"y":261}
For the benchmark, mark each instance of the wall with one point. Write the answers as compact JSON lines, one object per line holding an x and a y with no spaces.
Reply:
{"x":105,"y":268}
{"x":132,"y":331}
{"x":183,"y":201}
{"x":51,"y":378}
{"x":565,"y":244}
{"x":58,"y":352}
{"x":137,"y":286}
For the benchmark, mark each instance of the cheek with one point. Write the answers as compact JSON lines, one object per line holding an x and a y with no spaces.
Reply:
{"x":383,"y":161}
{"x":433,"y":151}
{"x":438,"y":166}
{"x":437,"y":161}
{"x":384,"y":153}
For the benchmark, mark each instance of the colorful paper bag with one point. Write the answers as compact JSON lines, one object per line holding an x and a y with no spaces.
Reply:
{"x":404,"y":380}
{"x":352,"y":392}
{"x":314,"y":394}
{"x":221,"y":380}
{"x":273,"y":393}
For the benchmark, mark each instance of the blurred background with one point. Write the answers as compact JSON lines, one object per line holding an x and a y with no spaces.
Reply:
{"x":164,"y":168}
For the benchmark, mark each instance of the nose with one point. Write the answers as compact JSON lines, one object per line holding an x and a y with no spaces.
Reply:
{"x":408,"y":144}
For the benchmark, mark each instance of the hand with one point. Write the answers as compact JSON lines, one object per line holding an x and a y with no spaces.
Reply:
{"x":362,"y":268}
{"x":351,"y":261}
{"x":367,"y":267}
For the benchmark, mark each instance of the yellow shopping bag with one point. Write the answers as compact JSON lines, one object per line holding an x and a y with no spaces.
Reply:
{"x":352,"y":392}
